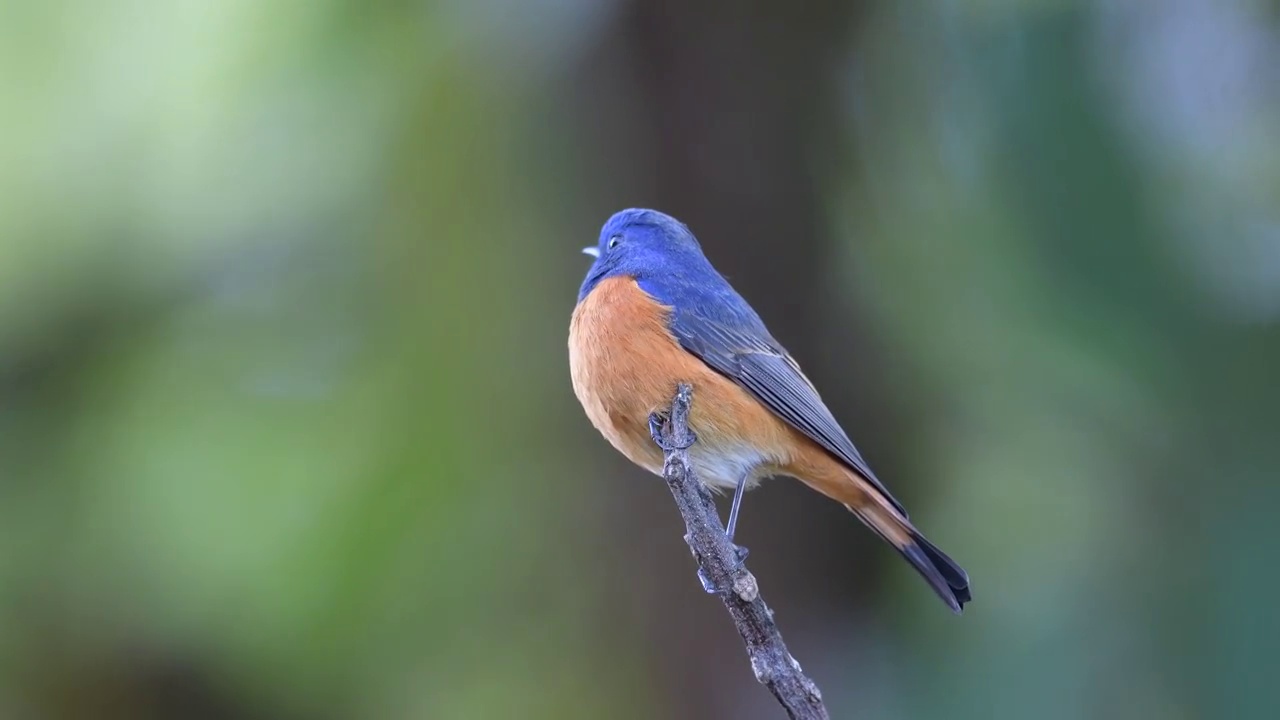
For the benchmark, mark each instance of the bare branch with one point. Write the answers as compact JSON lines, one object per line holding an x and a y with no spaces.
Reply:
{"x":722,"y":571}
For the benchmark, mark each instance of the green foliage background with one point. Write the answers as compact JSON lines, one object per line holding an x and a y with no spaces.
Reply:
{"x":285,"y":422}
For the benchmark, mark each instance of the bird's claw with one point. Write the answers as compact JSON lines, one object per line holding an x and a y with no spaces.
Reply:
{"x":658,"y":423}
{"x":710,"y":585}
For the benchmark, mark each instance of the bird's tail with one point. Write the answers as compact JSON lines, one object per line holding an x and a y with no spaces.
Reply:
{"x":947,"y":578}
{"x":878,"y":512}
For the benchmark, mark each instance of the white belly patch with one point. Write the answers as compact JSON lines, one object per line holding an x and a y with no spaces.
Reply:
{"x":721,"y":467}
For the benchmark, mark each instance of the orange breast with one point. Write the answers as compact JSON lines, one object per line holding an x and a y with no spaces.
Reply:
{"x":626,"y":364}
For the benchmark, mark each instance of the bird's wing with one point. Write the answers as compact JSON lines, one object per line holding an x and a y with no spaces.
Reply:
{"x":755,"y":361}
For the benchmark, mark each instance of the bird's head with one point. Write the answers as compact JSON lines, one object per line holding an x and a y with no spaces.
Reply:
{"x":640,"y":243}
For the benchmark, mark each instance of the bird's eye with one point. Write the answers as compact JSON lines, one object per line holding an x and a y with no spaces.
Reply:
{"x":613,"y":241}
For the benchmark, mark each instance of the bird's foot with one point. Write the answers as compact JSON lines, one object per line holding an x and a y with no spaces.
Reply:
{"x":715,"y":588}
{"x":657,"y":424}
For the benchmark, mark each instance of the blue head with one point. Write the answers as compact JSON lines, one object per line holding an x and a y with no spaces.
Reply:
{"x":646,"y":245}
{"x":665,"y":259}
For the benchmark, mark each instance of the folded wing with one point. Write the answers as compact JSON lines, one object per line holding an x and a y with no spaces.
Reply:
{"x":752,"y":358}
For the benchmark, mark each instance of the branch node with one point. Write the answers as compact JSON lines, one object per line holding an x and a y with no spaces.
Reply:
{"x":746,"y":588}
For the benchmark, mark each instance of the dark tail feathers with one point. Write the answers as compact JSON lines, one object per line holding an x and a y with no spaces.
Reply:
{"x":947,"y":578}
{"x":944,"y":575}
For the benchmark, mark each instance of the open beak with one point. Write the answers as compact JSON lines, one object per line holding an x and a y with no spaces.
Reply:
{"x":593,"y":251}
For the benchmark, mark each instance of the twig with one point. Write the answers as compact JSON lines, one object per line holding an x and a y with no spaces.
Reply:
{"x":722,"y":571}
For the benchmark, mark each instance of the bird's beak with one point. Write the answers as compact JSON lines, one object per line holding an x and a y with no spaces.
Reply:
{"x":593,"y":251}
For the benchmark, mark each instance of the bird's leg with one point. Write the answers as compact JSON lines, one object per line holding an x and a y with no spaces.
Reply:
{"x":737,"y":505}
{"x":657,"y":423}
{"x":738,"y":492}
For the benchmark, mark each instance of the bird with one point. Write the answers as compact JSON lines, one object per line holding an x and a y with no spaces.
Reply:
{"x":653,"y":313}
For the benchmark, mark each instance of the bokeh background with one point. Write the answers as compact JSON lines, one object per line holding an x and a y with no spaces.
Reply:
{"x":286,"y":427}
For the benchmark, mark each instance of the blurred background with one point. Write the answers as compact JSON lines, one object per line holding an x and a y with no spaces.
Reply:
{"x":286,"y":427}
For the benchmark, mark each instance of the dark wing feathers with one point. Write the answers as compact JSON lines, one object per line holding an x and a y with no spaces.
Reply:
{"x":758,"y":363}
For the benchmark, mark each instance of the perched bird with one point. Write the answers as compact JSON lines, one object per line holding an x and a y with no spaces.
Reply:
{"x":653,"y":313}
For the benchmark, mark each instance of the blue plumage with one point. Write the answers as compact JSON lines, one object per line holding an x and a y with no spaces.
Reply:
{"x":666,"y":260}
